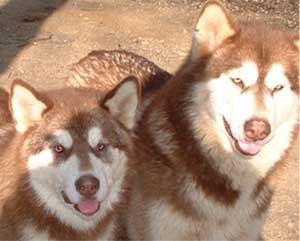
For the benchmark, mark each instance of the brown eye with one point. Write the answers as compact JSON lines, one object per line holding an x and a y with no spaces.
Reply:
{"x":277,"y":88}
{"x":59,"y":149}
{"x":100,"y":147}
{"x":238,"y":82}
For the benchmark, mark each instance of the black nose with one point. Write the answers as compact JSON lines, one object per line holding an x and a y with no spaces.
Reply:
{"x":257,"y":129}
{"x":87,"y":185}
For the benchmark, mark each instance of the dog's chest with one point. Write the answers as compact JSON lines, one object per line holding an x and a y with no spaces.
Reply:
{"x":212,"y":220}
{"x":31,"y":233}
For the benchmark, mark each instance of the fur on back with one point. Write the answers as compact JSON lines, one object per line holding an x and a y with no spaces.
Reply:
{"x":105,"y":68}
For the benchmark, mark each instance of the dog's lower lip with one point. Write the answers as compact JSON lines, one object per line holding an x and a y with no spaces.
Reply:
{"x":236,"y":143}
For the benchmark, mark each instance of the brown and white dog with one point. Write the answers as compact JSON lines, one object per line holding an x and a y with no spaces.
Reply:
{"x":212,"y":138}
{"x":65,"y":162}
{"x":104,"y":69}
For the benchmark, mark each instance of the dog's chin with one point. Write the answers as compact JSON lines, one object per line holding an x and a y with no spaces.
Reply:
{"x":87,"y":208}
{"x":245,"y":148}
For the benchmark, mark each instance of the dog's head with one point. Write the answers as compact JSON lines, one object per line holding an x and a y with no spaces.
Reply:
{"x":245,"y":83}
{"x":76,"y":145}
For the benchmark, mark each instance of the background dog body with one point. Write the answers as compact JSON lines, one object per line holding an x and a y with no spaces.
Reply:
{"x":104,"y":69}
{"x":211,"y":140}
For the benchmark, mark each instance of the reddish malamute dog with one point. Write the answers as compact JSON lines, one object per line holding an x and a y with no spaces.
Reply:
{"x":211,"y":139}
{"x":64,"y":162}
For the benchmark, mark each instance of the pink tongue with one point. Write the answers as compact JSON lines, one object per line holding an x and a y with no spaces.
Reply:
{"x":88,"y":207}
{"x":249,"y":148}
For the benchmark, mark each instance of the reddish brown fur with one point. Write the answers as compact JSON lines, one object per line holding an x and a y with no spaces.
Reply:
{"x":105,"y":69}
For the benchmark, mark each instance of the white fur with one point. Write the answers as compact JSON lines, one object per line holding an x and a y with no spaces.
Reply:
{"x":116,"y":171}
{"x":26,"y":108}
{"x":64,"y":138}
{"x":283,"y":102}
{"x":163,"y":218}
{"x":225,"y":223}
{"x":124,"y":103}
{"x":103,"y":171}
{"x":211,"y":30}
{"x":94,"y":136}
{"x":248,"y":73}
{"x":236,"y":107}
{"x":110,"y":174}
{"x":69,"y":173}
{"x":3,"y":131}
{"x":40,"y":160}
{"x":216,"y":222}
{"x":30,"y":233}
{"x":276,"y":76}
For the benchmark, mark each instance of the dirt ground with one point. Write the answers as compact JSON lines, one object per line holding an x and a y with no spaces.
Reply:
{"x":41,"y":39}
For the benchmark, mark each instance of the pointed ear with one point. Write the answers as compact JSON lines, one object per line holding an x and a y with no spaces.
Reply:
{"x":26,"y":105}
{"x":122,"y":101}
{"x":214,"y":26}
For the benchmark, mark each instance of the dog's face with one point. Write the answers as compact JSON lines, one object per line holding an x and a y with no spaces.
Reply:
{"x":249,"y":81}
{"x":76,"y":150}
{"x":251,"y":104}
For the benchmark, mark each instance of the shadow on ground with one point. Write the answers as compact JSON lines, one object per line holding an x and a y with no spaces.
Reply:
{"x":20,"y":21}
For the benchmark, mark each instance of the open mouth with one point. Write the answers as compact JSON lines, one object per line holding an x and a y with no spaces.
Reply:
{"x":246,"y":148}
{"x":86,"y":207}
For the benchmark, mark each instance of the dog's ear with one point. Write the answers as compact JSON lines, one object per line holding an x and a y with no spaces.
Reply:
{"x":26,"y":105}
{"x":214,"y":26}
{"x":122,"y":101}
